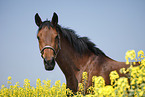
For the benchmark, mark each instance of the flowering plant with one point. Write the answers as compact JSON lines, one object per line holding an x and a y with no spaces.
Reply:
{"x":120,"y":87}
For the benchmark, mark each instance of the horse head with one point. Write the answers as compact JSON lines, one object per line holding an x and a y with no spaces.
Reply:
{"x":48,"y":38}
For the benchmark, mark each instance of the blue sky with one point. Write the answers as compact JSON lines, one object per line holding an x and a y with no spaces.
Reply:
{"x":115,"y":26}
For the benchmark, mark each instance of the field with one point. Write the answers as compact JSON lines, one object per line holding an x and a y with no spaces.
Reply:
{"x":120,"y":87}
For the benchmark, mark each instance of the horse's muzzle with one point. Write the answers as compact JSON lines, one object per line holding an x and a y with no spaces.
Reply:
{"x":49,"y":64}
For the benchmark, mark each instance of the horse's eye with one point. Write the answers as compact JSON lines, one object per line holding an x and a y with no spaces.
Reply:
{"x":56,"y":37}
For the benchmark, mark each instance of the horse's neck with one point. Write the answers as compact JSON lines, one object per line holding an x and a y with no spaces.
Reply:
{"x":68,"y":60}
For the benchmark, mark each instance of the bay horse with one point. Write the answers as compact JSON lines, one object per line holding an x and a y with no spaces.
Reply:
{"x":73,"y":54}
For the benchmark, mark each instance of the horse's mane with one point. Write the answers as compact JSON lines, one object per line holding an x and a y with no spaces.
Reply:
{"x":80,"y":44}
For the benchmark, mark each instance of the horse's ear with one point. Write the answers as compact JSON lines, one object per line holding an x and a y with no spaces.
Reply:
{"x":54,"y":20}
{"x":38,"y":20}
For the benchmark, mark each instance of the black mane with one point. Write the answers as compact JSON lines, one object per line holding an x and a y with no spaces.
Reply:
{"x":80,"y":44}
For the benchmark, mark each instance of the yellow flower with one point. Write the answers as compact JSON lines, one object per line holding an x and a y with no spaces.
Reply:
{"x":63,"y":85}
{"x":108,"y":91}
{"x":138,"y":93}
{"x":2,"y":86}
{"x":81,"y":87}
{"x":84,"y":79}
{"x":143,"y":62}
{"x":113,"y":76}
{"x":26,"y":80}
{"x":132,"y":81}
{"x":9,"y":78}
{"x":99,"y":82}
{"x":17,"y":84}
{"x":130,"y":55}
{"x":127,"y":60}
{"x":93,"y":78}
{"x":122,"y":70}
{"x":119,"y":86}
{"x":9,"y":82}
{"x":141,"y":54}
{"x":84,"y":75}
{"x":144,"y":87}
{"x":139,"y":80}
{"x":57,"y":83}
{"x":141,"y":93}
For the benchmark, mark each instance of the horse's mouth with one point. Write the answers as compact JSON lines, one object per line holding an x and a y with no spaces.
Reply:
{"x":49,"y":65}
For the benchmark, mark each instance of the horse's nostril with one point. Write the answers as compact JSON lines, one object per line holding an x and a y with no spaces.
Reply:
{"x":45,"y":60}
{"x":52,"y":61}
{"x":49,"y":64}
